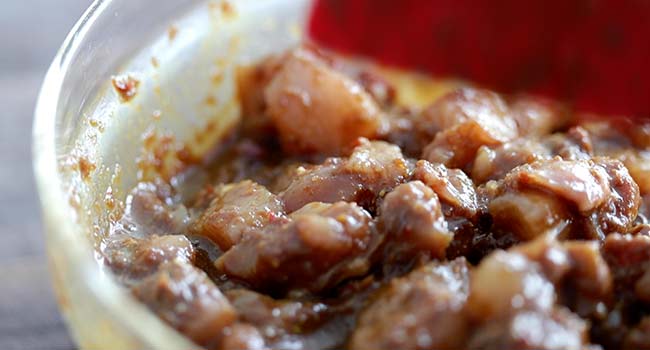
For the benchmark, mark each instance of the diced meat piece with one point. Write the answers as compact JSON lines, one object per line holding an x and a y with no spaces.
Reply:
{"x":624,"y":140}
{"x":241,"y":336}
{"x":537,"y":116}
{"x":185,"y":298}
{"x":321,"y":245}
{"x":463,"y":121}
{"x":286,"y":175}
{"x":412,"y":223}
{"x":606,"y":136}
{"x":277,"y":318}
{"x":557,"y":329}
{"x":423,"y":310}
{"x":642,"y":287}
{"x":401,"y":131}
{"x":627,"y":141}
{"x":575,"y":144}
{"x":521,"y":285}
{"x":454,"y":189}
{"x":629,"y":258}
{"x":467,"y":105}
{"x":581,"y":276}
{"x":244,"y":160}
{"x":642,"y":229}
{"x":528,"y":214}
{"x":518,"y":309}
{"x":622,"y":206}
{"x":599,"y":197}
{"x":475,"y":240}
{"x":149,"y":210}
{"x":238,"y":210}
{"x":638,"y":131}
{"x":638,"y":164}
{"x":299,"y":101}
{"x":135,"y":258}
{"x":495,"y":163}
{"x":326,"y":182}
{"x":313,"y":323}
{"x":457,"y":147}
{"x":639,"y":337}
{"x":617,"y":134}
{"x":644,"y":209}
{"x":373,"y":168}
{"x":380,"y":89}
{"x":582,"y":183}
{"x":589,"y":284}
{"x":251,"y":83}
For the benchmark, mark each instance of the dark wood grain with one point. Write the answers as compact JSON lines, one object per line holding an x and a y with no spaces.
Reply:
{"x":30,"y":33}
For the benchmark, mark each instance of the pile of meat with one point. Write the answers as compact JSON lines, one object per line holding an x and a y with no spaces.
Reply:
{"x":339,"y":219}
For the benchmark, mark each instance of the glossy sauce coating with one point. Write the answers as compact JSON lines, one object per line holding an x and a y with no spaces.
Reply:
{"x":337,"y":218}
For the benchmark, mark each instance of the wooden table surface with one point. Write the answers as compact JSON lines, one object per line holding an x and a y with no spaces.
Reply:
{"x":30,"y":33}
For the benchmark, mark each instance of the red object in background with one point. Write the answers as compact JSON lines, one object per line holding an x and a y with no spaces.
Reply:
{"x":594,"y":54}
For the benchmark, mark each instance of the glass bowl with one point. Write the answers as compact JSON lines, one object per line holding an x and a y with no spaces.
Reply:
{"x":89,"y":144}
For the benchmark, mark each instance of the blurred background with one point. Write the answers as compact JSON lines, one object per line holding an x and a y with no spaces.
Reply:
{"x":30,"y":33}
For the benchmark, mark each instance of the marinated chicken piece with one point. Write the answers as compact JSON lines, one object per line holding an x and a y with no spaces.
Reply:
{"x":639,"y":337}
{"x":638,"y":164}
{"x":380,"y":89}
{"x":527,"y":214}
{"x":461,"y":122}
{"x":627,"y":141}
{"x":373,"y":168}
{"x":641,"y":230}
{"x":240,"y":336}
{"x":493,"y":163}
{"x":629,"y":259}
{"x":149,"y":207}
{"x":321,"y":245}
{"x":616,"y":134}
{"x":246,"y":159}
{"x":454,"y":189}
{"x":135,"y":258}
{"x":466,"y":105}
{"x":277,"y":319}
{"x":638,"y":131}
{"x":518,"y":310}
{"x":423,"y":310}
{"x":584,"y":184}
{"x":251,"y":83}
{"x":644,"y":209}
{"x":521,"y":285}
{"x":621,"y":208}
{"x":537,"y":116}
{"x":401,"y":131}
{"x":299,"y":101}
{"x":556,"y":329}
{"x":575,"y":144}
{"x":608,"y":138}
{"x":581,"y":276}
{"x":589,"y":283}
{"x":582,"y":199}
{"x":238,"y":210}
{"x":185,"y":298}
{"x":412,"y":223}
